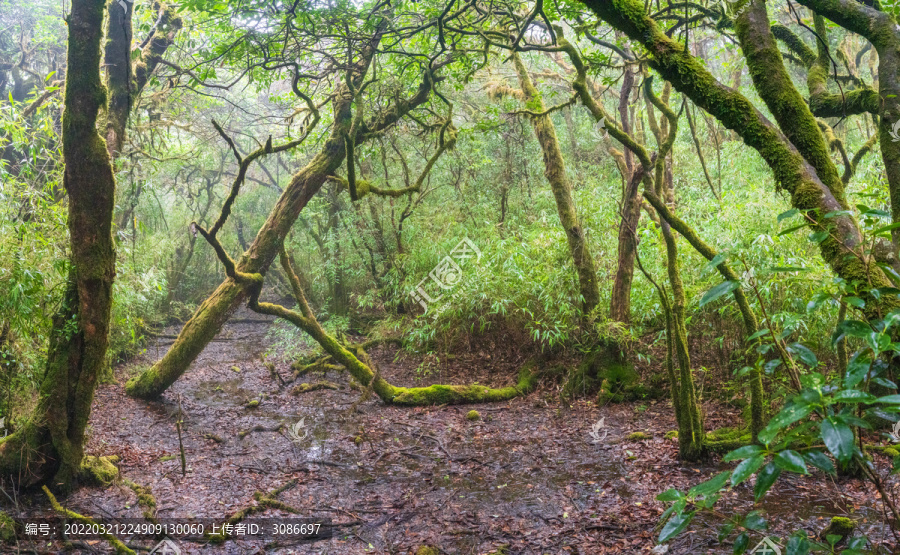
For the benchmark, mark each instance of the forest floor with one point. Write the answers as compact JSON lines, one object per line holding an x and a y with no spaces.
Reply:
{"x":524,"y":478}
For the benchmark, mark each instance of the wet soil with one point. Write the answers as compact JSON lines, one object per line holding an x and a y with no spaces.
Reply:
{"x":526,"y":477}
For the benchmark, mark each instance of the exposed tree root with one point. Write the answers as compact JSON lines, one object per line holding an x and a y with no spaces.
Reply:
{"x":99,"y":470}
{"x":214,"y":437}
{"x":115,"y":542}
{"x":145,"y":498}
{"x":322,"y":364}
{"x":244,"y":433}
{"x":263,"y":501}
{"x":307,"y":387}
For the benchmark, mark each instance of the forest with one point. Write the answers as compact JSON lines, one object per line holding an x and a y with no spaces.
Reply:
{"x":432,"y":277}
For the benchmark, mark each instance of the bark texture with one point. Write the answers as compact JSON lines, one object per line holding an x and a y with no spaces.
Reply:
{"x":555,"y":171}
{"x":842,"y":249}
{"x":50,"y":445}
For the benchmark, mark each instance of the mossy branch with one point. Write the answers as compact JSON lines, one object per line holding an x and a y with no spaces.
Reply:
{"x":363,"y":188}
{"x":751,"y":324}
{"x":734,"y":111}
{"x":243,"y":166}
{"x":115,"y":542}
{"x":362,"y":373}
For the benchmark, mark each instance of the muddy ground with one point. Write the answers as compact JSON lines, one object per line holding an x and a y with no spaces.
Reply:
{"x":526,"y":477}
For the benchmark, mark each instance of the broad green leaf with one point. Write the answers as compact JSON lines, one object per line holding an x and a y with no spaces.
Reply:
{"x":804,"y":354}
{"x":818,"y":236}
{"x":889,"y":399}
{"x":838,"y":437}
{"x":719,"y":290}
{"x":787,"y":416}
{"x":670,"y":494}
{"x":743,"y":453}
{"x":797,"y":545}
{"x":886,"y":228}
{"x":791,"y":461}
{"x":711,"y":486}
{"x":746,"y":469}
{"x":791,"y":229}
{"x":758,"y":334}
{"x":674,"y":526}
{"x":850,"y":328}
{"x":741,"y":543}
{"x":765,"y":479}
{"x":754,"y":521}
{"x":787,"y":214}
{"x":853,"y":396}
{"x":857,"y":369}
{"x":717,"y":259}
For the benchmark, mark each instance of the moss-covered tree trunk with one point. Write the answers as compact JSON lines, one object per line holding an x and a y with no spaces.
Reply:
{"x":751,"y":324}
{"x":843,"y":249}
{"x":879,"y":28}
{"x":630,"y":215}
{"x":124,"y":79}
{"x":50,"y":445}
{"x":215,"y":310}
{"x":688,"y":413}
{"x":620,"y":302}
{"x":212,"y":314}
{"x":555,"y":171}
{"x":357,"y":362}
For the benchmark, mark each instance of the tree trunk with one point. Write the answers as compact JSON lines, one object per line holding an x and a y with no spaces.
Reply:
{"x":751,"y":324}
{"x":620,"y":299}
{"x":620,"y":302}
{"x":215,"y":310}
{"x":212,"y":314}
{"x":50,"y":445}
{"x":843,"y":249}
{"x":124,"y":81}
{"x":555,"y":171}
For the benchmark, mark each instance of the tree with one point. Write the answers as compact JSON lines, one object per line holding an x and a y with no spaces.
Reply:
{"x":49,"y":446}
{"x":348,"y":127}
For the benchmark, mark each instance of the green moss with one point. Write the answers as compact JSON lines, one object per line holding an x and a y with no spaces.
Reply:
{"x":638,"y":436}
{"x":724,"y":440}
{"x":252,"y":404}
{"x":473,"y":415}
{"x":887,"y":450}
{"x":145,"y":499}
{"x":100,"y":470}
{"x":7,"y":529}
{"x":726,"y":433}
{"x":839,"y":526}
{"x":166,"y":458}
{"x":427,"y":550}
{"x":673,"y":434}
{"x":607,"y":370}
{"x":463,"y":394}
{"x":236,"y":369}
